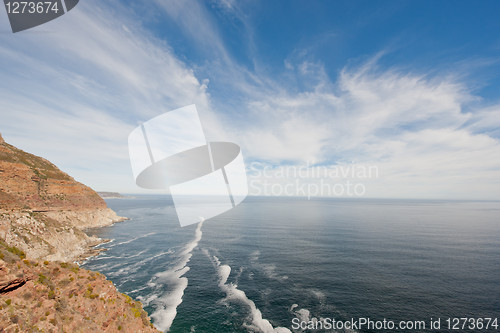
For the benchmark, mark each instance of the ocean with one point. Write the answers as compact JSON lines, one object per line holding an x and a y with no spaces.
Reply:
{"x":278,"y":264}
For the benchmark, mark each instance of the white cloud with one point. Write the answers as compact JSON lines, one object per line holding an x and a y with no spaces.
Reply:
{"x":412,"y":127}
{"x":73,"y":89}
{"x":197,"y":24}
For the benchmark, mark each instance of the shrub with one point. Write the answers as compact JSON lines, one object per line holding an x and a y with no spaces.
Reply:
{"x":16,"y":251}
{"x":42,"y":278}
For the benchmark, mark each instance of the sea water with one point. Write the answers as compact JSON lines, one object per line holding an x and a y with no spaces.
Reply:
{"x":273,"y":263}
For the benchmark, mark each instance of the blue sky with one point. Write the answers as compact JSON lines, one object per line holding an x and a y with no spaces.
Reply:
{"x":408,"y":86}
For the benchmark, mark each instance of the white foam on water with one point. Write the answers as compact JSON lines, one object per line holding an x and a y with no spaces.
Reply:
{"x":147,"y":301}
{"x":319,"y":295}
{"x":303,"y":314}
{"x":128,"y":268}
{"x":268,"y":269}
{"x":136,"y":290}
{"x":105,"y":244}
{"x":166,"y":304}
{"x":102,"y":257}
{"x":257,"y":323}
{"x":134,"y":239}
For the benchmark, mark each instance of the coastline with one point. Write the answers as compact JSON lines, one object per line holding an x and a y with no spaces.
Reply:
{"x":45,"y":219}
{"x":52,"y":282}
{"x":92,"y":250}
{"x":56,"y":235}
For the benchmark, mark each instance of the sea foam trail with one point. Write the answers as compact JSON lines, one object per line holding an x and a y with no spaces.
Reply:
{"x":235,"y":294}
{"x":132,"y":239}
{"x":166,"y":305}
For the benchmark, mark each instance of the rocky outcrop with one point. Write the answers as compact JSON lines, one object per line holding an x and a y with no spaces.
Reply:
{"x":12,"y":285}
{"x":43,"y":211}
{"x":38,"y":296}
{"x":40,"y":236}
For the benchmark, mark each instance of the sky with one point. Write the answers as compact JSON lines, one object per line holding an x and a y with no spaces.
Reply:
{"x":406,"y":88}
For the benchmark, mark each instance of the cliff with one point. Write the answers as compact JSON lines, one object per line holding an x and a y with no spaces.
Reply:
{"x":43,"y":210}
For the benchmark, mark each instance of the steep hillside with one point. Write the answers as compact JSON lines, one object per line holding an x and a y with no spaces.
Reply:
{"x":43,"y":210}
{"x":38,"y":296}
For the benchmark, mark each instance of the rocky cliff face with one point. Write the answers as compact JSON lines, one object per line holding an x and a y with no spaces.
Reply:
{"x":43,"y":210}
{"x":31,"y":182}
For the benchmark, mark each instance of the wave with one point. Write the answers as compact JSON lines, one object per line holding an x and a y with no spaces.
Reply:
{"x":234,"y":294}
{"x":103,"y":256}
{"x":127,"y":268}
{"x":269,"y":270}
{"x":305,"y":315}
{"x":257,"y":322}
{"x":133,"y":239}
{"x":302,"y":314}
{"x":136,"y":290}
{"x":166,"y":304}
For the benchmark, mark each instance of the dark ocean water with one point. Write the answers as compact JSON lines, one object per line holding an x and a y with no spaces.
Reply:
{"x":269,"y":261}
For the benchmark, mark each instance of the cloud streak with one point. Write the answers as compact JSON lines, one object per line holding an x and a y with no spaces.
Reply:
{"x":421,"y":132}
{"x":74,"y":92}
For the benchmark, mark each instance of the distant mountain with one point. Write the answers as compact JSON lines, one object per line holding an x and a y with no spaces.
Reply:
{"x":110,"y":195}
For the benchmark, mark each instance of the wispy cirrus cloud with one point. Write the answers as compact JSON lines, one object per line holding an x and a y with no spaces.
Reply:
{"x":73,"y":91}
{"x":423,"y":132}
